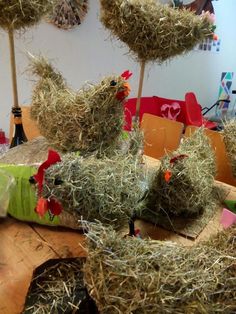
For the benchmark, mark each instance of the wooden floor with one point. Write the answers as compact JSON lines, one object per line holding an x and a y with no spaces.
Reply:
{"x":23,"y":247}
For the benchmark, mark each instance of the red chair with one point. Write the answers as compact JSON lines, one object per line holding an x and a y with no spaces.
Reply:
{"x":171,"y":103}
{"x":147,"y":105}
{"x":193,"y":113}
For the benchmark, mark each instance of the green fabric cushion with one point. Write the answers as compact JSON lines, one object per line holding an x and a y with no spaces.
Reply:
{"x":23,"y":197}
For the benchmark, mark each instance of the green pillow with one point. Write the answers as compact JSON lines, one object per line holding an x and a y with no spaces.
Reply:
{"x":23,"y":197}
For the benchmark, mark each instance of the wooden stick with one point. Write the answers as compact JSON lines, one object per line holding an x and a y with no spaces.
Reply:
{"x":13,"y":67}
{"x":140,"y":89}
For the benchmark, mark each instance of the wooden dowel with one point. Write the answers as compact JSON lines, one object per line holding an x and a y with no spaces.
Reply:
{"x":140,"y":89}
{"x":13,"y":67}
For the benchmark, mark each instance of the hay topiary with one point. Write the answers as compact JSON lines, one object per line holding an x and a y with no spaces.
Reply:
{"x":152,"y":31}
{"x":105,"y":189}
{"x":184,"y":183}
{"x":16,"y":15}
{"x":129,"y":275}
{"x":20,"y":14}
{"x":229,"y":136}
{"x":88,"y":120}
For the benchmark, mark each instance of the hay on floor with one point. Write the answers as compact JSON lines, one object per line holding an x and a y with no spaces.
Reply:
{"x":58,"y":287}
{"x":129,"y":275}
{"x":18,"y":14}
{"x":152,"y":31}
{"x":105,"y":189}
{"x":88,"y":120}
{"x":229,"y":135}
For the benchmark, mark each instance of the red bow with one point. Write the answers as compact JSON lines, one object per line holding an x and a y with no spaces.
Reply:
{"x":126,"y":75}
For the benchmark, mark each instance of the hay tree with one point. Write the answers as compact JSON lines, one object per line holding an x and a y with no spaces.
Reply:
{"x":17,"y":15}
{"x":153,"y":31}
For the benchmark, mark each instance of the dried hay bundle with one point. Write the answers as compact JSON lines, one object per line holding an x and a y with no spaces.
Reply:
{"x":152,"y":31}
{"x":129,"y":275}
{"x":184,"y":183}
{"x":97,"y":189}
{"x":88,"y":120}
{"x":18,"y":14}
{"x":229,"y":135}
{"x":58,"y":287}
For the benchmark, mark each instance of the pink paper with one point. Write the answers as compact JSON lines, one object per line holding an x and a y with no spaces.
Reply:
{"x":228,"y":218}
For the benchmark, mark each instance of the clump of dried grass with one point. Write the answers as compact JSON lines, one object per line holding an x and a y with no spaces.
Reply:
{"x":229,"y":135}
{"x":18,"y":14}
{"x":190,"y":188}
{"x":88,"y":120}
{"x":105,"y":189}
{"x":129,"y":275}
{"x":152,"y":31}
{"x":57,"y":288}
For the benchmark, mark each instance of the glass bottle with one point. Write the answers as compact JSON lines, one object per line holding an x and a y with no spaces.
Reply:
{"x":19,"y":136}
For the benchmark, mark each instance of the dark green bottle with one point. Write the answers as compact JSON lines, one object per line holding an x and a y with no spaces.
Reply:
{"x":19,"y":136}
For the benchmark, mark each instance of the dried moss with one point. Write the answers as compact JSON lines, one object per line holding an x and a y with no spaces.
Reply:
{"x":190,"y":188}
{"x":105,"y":189}
{"x":88,"y":120}
{"x":129,"y":275}
{"x":152,"y":31}
{"x":229,"y":135}
{"x":18,"y":14}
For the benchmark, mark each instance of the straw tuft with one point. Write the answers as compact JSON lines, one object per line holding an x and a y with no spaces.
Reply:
{"x":152,"y":31}
{"x":105,"y":189}
{"x":19,"y":14}
{"x":189,"y":189}
{"x":229,"y":135}
{"x":58,"y":287}
{"x":88,"y":120}
{"x":129,"y":275}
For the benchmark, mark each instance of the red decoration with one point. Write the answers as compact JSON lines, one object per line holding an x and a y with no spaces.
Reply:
{"x":126,"y":75}
{"x":53,"y":158}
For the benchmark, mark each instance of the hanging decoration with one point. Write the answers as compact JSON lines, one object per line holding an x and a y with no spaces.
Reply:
{"x":69,"y":13}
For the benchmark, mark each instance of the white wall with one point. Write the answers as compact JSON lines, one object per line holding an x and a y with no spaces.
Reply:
{"x":86,"y":54}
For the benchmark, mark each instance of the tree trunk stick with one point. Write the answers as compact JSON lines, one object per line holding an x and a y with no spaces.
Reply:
{"x":140,"y":89}
{"x":13,"y":67}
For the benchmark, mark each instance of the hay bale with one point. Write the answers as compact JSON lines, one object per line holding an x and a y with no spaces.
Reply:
{"x":129,"y":275}
{"x":152,"y":31}
{"x":18,"y":14}
{"x":88,"y":120}
{"x":229,"y":136}
{"x":105,"y":189}
{"x":189,"y":189}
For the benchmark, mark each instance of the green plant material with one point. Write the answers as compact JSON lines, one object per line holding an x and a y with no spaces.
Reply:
{"x":229,"y":136}
{"x":105,"y":189}
{"x":129,"y":275}
{"x":88,"y":120}
{"x":19,"y":14}
{"x":152,"y":31}
{"x":190,"y":189}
